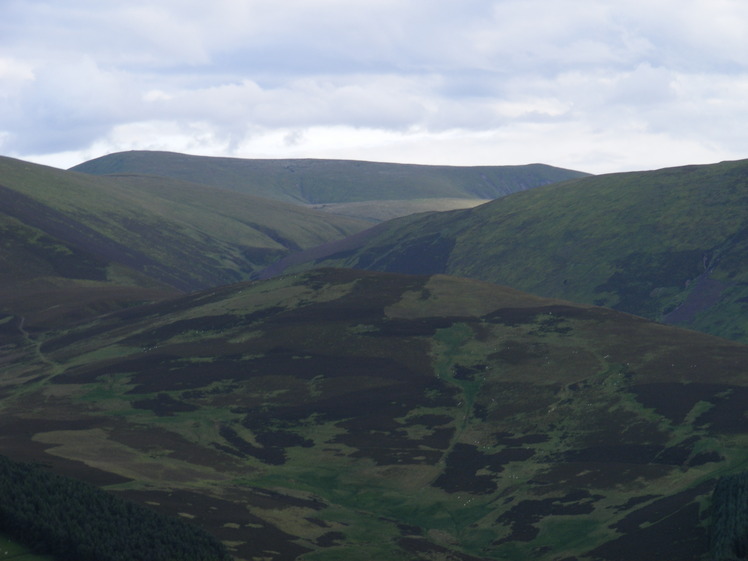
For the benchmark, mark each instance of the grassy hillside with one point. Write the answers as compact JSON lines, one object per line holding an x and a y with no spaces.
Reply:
{"x":342,"y":414}
{"x":382,"y":210}
{"x":332,"y":181}
{"x":669,"y":245}
{"x":62,"y":230}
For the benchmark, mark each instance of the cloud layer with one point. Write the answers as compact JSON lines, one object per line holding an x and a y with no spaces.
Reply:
{"x":597,"y":85}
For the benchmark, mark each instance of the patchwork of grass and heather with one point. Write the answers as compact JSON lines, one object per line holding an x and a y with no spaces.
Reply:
{"x":670,"y":245}
{"x":340,"y":414}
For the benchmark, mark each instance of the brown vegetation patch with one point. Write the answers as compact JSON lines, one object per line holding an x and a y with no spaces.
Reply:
{"x":523,"y":516}
{"x":509,"y":439}
{"x":672,"y":400}
{"x":628,"y":454}
{"x":272,"y":444}
{"x":202,"y":324}
{"x":330,"y":539}
{"x":429,"y":420}
{"x":675,"y":400}
{"x":420,"y":327}
{"x":632,"y":502}
{"x":729,"y":412}
{"x":463,"y":463}
{"x":424,"y":549}
{"x":367,"y":292}
{"x":669,"y":528}
{"x":134,"y":314}
{"x":705,"y":293}
{"x":661,"y":508}
{"x":162,"y":373}
{"x":273,"y":500}
{"x":249,"y":536}
{"x":18,"y":443}
{"x":550,"y":317}
{"x":96,"y":449}
{"x":686,"y":356}
{"x":598,"y":475}
{"x":517,"y":352}
{"x":468,"y":373}
{"x":504,"y":400}
{"x":136,"y":363}
{"x":163,"y":405}
{"x":439,"y":439}
{"x":427,"y":255}
{"x":677,"y":537}
{"x":153,"y":439}
{"x":370,"y":420}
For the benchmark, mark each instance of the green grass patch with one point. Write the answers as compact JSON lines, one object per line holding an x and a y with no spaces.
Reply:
{"x":568,"y":534}
{"x":639,"y":243}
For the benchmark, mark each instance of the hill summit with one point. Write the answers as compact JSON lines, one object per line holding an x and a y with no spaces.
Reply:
{"x":371,"y":190}
{"x":670,"y":245}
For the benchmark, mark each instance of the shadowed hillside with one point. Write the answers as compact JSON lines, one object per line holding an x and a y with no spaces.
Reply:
{"x":341,"y":414}
{"x":669,"y":245}
{"x":77,"y":233}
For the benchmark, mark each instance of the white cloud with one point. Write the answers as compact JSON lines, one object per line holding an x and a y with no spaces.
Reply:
{"x":599,"y":85}
{"x":13,"y":74}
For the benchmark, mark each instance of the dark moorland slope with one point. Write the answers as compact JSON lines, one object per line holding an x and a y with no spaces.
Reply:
{"x":669,"y":245}
{"x":342,"y":414}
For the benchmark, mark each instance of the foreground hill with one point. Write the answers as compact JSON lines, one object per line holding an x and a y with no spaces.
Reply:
{"x":369,"y":189}
{"x":670,"y":245}
{"x":85,"y":235}
{"x":341,"y":414}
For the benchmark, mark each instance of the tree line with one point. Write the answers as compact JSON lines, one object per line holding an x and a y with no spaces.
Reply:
{"x":75,"y":521}
{"x":729,"y":528}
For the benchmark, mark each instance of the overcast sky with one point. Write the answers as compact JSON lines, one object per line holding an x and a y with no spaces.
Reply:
{"x":594,"y":85}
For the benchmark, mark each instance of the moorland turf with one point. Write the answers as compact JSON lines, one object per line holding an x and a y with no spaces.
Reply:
{"x":327,"y":182}
{"x":670,"y":245}
{"x":65,"y":234}
{"x":341,"y":414}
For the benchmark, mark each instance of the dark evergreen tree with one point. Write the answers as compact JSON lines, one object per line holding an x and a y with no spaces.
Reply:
{"x":74,"y":521}
{"x":729,"y":529}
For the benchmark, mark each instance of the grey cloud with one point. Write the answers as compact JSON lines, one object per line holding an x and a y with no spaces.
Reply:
{"x":83,"y":73}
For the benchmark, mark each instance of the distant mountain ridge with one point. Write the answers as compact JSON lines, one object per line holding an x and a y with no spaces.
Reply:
{"x":670,"y":245}
{"x":311,"y":181}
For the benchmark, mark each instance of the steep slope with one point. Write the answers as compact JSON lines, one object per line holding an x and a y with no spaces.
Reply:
{"x":341,"y":414}
{"x":332,"y":181}
{"x":669,"y":245}
{"x":65,"y":229}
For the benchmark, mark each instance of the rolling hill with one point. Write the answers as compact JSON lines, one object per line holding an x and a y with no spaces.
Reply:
{"x":341,"y":414}
{"x":133,"y":238}
{"x":370,"y":190}
{"x":670,"y":245}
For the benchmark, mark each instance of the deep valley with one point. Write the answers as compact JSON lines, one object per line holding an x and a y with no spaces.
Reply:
{"x":323,"y":412}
